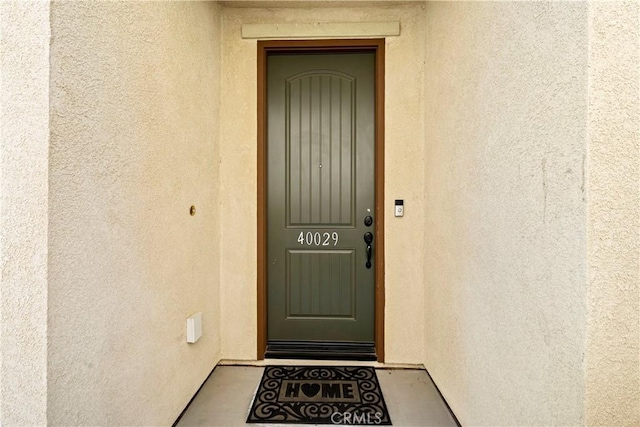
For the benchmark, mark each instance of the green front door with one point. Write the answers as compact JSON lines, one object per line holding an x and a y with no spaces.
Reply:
{"x":321,"y":242}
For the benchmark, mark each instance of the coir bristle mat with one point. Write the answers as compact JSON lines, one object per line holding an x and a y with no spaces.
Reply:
{"x":336,"y":395}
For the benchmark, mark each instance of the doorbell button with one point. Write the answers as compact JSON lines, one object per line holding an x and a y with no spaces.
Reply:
{"x":399,"y":208}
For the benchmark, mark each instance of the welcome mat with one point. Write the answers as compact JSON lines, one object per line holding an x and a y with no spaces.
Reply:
{"x":319,"y":395}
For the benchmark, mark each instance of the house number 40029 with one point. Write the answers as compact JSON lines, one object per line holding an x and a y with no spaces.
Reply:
{"x":318,"y":239}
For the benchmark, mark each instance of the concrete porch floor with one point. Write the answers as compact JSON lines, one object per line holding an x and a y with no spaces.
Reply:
{"x":224,"y":400}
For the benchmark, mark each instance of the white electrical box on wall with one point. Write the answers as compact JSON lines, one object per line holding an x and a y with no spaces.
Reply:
{"x":194,"y":328}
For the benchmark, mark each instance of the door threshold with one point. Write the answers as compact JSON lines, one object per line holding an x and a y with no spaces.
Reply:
{"x":314,"y":350}
{"x":307,"y":362}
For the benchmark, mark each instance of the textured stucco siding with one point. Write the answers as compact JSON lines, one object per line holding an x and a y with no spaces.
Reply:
{"x":403,"y":173}
{"x":512,"y":134}
{"x":504,"y":260}
{"x":24,"y":142}
{"x":612,"y":370}
{"x":134,"y":131}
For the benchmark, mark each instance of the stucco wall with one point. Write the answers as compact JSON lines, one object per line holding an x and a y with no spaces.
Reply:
{"x":24,"y":141}
{"x":511,"y":133}
{"x":134,"y":140}
{"x":403,"y":169}
{"x":504,"y":260}
{"x":612,"y":360}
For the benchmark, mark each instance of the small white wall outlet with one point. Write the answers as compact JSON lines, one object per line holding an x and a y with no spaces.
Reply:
{"x":194,"y":328}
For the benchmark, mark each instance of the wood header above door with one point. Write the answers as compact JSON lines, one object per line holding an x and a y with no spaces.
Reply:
{"x":315,"y":30}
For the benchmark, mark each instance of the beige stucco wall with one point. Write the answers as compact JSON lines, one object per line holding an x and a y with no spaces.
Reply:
{"x":134,"y":143}
{"x":24,"y":141}
{"x":403,"y":169}
{"x":504,"y":259}
{"x":612,"y":359}
{"x":511,"y":133}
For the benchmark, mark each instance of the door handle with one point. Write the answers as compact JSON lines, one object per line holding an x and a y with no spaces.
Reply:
{"x":368,"y":238}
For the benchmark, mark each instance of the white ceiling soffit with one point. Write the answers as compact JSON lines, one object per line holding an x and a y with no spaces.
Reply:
{"x":314,"y":30}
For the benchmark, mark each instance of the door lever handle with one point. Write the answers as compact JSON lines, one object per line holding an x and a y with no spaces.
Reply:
{"x":368,"y":238}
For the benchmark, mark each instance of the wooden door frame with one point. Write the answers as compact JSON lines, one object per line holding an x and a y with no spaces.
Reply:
{"x":310,"y":46}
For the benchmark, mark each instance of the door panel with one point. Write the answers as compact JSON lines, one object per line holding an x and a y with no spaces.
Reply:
{"x":320,"y":284}
{"x":319,"y":117}
{"x":320,"y":139}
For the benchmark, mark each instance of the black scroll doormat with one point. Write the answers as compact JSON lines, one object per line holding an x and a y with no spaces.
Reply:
{"x":319,"y":395}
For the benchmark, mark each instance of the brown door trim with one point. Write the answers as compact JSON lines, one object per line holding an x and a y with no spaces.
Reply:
{"x":309,"y":46}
